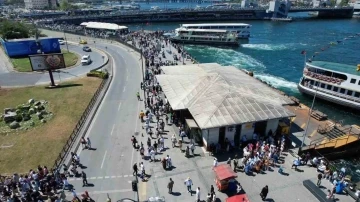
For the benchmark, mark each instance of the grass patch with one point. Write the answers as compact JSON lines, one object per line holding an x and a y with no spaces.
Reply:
{"x":23,"y":64}
{"x":24,"y":150}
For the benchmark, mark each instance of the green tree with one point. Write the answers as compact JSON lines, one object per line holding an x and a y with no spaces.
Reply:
{"x":65,"y":6}
{"x":17,"y":30}
{"x":344,"y":3}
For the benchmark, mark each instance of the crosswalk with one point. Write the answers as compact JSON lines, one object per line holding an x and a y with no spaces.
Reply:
{"x":102,"y":177}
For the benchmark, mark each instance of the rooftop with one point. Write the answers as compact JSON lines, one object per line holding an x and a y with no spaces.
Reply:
{"x":219,"y":96}
{"x":102,"y":25}
{"x":344,"y":68}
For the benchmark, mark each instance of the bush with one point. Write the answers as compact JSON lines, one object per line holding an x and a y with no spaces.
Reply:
{"x":103,"y":75}
{"x":18,"y":118}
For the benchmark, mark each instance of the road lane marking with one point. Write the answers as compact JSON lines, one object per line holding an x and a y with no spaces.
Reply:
{"x":127,"y":77}
{"x":303,"y":125}
{"x":107,"y":177}
{"x":113,"y":176}
{"x":124,"y":88}
{"x":142,"y":191}
{"x":119,"y":106}
{"x":112,"y":130}
{"x":102,"y":163}
{"x":125,"y":175}
{"x":313,"y":133}
{"x":119,"y":176}
{"x":99,"y":177}
{"x":136,"y":125}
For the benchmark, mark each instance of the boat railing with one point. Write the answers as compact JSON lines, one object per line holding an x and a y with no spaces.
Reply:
{"x":347,"y":97}
{"x":322,"y":77}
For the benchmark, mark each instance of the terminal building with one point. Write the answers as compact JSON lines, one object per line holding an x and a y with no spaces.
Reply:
{"x":222,"y":102}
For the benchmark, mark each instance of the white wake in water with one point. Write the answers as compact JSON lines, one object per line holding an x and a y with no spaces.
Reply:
{"x":227,"y":57}
{"x":268,"y":47}
{"x":277,"y":82}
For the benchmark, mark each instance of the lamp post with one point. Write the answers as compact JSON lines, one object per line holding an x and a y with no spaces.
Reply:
{"x":67,"y":46}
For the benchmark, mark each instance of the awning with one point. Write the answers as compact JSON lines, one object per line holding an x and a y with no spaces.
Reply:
{"x":224,"y":172}
{"x":191,"y":123}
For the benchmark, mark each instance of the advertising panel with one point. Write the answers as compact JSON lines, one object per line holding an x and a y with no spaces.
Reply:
{"x":25,"y":47}
{"x":46,"y":62}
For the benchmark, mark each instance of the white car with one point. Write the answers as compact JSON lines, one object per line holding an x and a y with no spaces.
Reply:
{"x":85,"y":60}
{"x":61,"y":42}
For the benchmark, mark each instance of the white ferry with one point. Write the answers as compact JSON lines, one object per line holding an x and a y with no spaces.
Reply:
{"x":205,"y":36}
{"x":242,"y":30}
{"x":334,"y":82}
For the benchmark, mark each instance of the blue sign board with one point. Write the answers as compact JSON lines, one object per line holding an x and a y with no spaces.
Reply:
{"x":25,"y":47}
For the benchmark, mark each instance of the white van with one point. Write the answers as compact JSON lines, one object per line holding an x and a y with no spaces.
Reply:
{"x":85,"y":60}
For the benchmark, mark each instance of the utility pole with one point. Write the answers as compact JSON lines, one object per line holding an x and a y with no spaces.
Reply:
{"x":67,"y":46}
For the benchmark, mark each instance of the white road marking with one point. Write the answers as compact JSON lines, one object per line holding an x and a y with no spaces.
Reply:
{"x":102,"y":163}
{"x":125,"y":175}
{"x":119,"y":106}
{"x":127,"y":77}
{"x":99,"y":177}
{"x":136,"y":123}
{"x":113,"y":176}
{"x":124,"y":88}
{"x":112,"y":130}
{"x":119,"y":176}
{"x":92,"y":178}
{"x":106,"y":177}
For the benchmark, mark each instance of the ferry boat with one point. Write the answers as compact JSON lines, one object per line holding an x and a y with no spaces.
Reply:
{"x":334,"y":82}
{"x":205,"y":36}
{"x":242,"y":29}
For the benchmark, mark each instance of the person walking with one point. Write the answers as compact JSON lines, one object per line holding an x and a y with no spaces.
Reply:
{"x":212,"y":190}
{"x":84,"y":179}
{"x":83,"y":143}
{"x":88,"y":142}
{"x":170,"y":185}
{"x":188,"y":182}
{"x":319,"y":179}
{"x":135,"y":169}
{"x":264,"y":192}
{"x":192,"y":148}
{"x":198,"y":194}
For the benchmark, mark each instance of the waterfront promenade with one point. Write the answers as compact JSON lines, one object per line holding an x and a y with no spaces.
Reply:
{"x":109,"y":167}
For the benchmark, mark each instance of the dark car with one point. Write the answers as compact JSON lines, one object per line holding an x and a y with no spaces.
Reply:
{"x":86,"y":49}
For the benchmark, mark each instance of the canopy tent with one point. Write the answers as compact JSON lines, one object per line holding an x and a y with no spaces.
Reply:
{"x":219,"y":96}
{"x":224,"y":172}
{"x":101,"y":25}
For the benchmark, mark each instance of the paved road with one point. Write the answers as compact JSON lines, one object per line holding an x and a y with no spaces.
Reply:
{"x":15,"y":79}
{"x":108,"y":167}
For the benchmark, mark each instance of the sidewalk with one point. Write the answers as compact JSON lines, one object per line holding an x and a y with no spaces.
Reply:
{"x":5,"y":64}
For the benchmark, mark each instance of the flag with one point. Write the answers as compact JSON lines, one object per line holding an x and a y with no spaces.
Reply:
{"x":303,"y":52}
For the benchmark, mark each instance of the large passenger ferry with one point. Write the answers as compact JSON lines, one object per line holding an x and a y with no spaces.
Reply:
{"x":334,"y":82}
{"x":242,"y":30}
{"x":205,"y":36}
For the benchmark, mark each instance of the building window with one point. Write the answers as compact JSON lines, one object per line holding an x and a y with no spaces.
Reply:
{"x":342,"y":90}
{"x":329,"y":87}
{"x":357,"y":94}
{"x":349,"y":92}
{"x":322,"y":85}
{"x":335,"y":89}
{"x":353,"y":81}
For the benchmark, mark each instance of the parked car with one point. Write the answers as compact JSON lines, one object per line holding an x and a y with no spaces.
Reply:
{"x":85,"y":60}
{"x":82,"y":41}
{"x":86,"y":49}
{"x":61,"y":42}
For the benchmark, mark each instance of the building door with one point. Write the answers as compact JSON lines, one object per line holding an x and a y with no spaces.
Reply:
{"x":237,"y":135}
{"x":260,"y":128}
{"x":222,"y":135}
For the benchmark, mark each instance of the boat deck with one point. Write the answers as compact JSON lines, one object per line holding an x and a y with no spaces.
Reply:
{"x":349,"y":69}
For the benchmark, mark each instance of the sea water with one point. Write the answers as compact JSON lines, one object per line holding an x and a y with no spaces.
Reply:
{"x":274,"y":54}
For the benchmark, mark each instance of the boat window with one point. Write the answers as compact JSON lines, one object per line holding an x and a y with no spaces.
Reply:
{"x":359,"y":82}
{"x":353,"y":81}
{"x":342,"y":90}
{"x":329,"y":87}
{"x":349,"y":92}
{"x":335,"y":89}
{"x":357,"y":94}
{"x":206,"y":27}
{"x":322,"y":85}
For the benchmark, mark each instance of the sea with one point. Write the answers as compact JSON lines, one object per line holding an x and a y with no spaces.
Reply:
{"x":273,"y":52}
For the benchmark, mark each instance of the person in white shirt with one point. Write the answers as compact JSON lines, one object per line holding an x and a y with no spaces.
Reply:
{"x":188,"y":182}
{"x":198,"y":194}
{"x":215,"y":162}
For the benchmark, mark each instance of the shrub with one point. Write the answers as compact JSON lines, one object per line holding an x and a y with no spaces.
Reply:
{"x":18,"y":118}
{"x":103,"y":75}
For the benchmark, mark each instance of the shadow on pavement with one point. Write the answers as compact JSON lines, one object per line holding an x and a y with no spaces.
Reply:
{"x":176,"y":193}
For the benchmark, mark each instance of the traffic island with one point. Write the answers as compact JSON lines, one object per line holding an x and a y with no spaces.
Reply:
{"x":24,"y":65}
{"x":22,"y":150}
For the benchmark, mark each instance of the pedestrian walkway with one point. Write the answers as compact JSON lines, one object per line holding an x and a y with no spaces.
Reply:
{"x":5,"y":64}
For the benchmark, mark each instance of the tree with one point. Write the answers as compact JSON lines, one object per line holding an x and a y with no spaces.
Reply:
{"x":344,"y":3}
{"x":65,"y":6}
{"x":17,"y":30}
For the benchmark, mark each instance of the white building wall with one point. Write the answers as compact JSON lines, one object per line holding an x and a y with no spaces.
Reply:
{"x":230,"y":132}
{"x":212,"y":137}
{"x":36,"y":4}
{"x":272,"y":125}
{"x":248,"y":130}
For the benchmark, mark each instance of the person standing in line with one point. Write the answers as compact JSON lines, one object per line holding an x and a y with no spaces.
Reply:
{"x":319,"y":180}
{"x":84,"y":179}
{"x":188,"y":183}
{"x":88,"y":142}
{"x":198,"y":194}
{"x":192,"y":148}
{"x":170,"y":185}
{"x":212,"y":190}
{"x":215,"y":163}
{"x":264,"y":192}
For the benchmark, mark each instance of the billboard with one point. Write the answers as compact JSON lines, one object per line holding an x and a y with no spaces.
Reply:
{"x":47,"y":61}
{"x":25,"y":47}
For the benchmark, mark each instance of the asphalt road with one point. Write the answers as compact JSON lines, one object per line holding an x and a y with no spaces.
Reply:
{"x":16,"y":79}
{"x":109,"y":167}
